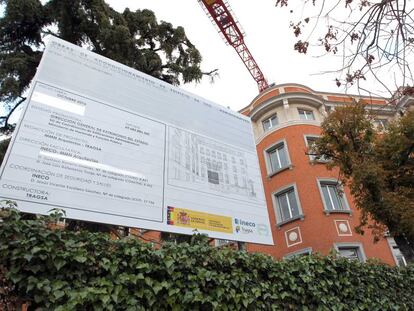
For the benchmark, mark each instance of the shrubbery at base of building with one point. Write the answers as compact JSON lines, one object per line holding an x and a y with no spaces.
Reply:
{"x":66,"y":270}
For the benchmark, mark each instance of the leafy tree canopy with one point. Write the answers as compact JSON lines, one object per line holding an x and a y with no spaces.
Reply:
{"x":135,"y":39}
{"x":378,"y":167}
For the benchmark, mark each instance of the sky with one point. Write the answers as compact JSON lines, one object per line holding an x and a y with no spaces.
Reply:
{"x":268,"y":37}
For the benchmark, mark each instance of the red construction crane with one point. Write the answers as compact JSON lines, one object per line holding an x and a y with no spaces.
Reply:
{"x":222,"y":17}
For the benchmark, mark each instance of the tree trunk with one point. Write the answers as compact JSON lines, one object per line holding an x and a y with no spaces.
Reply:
{"x":406,"y":247}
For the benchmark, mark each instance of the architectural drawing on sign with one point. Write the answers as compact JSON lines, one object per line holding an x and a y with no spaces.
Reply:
{"x":199,"y":163}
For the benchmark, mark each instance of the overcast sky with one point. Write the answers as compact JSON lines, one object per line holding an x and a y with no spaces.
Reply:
{"x":268,"y":37}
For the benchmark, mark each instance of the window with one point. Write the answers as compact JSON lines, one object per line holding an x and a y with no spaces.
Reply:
{"x":213,"y":177}
{"x":287,"y":205}
{"x":299,"y":253}
{"x":350,"y":251}
{"x":310,"y":141}
{"x":277,"y":157}
{"x":306,"y":114}
{"x":221,"y":243}
{"x":398,"y":256}
{"x":333,"y":200}
{"x":270,"y":122}
{"x":381,"y":124}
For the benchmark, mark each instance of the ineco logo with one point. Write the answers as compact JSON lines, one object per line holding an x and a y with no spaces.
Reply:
{"x":244,"y":223}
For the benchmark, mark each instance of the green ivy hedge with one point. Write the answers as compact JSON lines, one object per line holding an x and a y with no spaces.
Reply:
{"x":65,"y":270}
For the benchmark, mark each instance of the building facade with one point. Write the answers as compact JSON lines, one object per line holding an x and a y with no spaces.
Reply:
{"x":309,"y":211}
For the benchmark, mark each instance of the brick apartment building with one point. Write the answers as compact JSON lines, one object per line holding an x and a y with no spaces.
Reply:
{"x":307,"y":212}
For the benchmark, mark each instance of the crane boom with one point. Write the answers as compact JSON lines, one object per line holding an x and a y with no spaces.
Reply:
{"x":221,"y":16}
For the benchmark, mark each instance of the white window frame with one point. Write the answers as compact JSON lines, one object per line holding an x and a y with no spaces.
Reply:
{"x":329,"y":109}
{"x":284,"y":189}
{"x":222,"y":243}
{"x":303,"y":251}
{"x":306,"y":111}
{"x":354,"y":245}
{"x":269,"y":119}
{"x":393,"y":245}
{"x":380,"y":124}
{"x":344,"y":201}
{"x":268,"y":150}
{"x":312,"y":158}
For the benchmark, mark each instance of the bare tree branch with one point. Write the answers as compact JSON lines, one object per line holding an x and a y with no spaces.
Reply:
{"x":6,"y":126}
{"x":374,"y":39}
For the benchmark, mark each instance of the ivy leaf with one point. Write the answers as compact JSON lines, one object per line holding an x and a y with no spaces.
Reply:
{"x":58,"y":294}
{"x":59,"y":263}
{"x":169,"y":263}
{"x":80,"y":258}
{"x":36,"y":249}
{"x":105,"y":298}
{"x":28,"y":257}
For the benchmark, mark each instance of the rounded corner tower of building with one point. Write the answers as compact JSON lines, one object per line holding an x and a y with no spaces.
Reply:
{"x":309,"y":211}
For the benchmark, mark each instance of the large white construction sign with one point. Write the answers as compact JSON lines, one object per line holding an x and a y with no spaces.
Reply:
{"x":109,"y":144}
